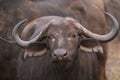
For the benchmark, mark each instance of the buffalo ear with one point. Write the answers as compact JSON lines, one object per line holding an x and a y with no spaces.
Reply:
{"x":35,"y":50}
{"x":91,"y":45}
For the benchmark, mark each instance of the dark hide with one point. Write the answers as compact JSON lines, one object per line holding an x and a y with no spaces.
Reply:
{"x":8,"y":60}
{"x":85,"y":67}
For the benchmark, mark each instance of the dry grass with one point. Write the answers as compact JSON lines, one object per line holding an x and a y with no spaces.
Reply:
{"x":113,"y":62}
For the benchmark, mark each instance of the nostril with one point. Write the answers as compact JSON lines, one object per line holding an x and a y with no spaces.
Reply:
{"x":55,"y":55}
{"x":65,"y":54}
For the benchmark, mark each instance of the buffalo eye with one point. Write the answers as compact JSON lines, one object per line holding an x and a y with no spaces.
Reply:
{"x":51,"y":38}
{"x":72,"y":36}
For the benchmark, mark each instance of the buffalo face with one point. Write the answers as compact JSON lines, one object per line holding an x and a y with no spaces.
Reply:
{"x":63,"y":40}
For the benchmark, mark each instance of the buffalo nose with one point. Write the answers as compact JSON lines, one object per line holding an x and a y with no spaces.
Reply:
{"x":60,"y":53}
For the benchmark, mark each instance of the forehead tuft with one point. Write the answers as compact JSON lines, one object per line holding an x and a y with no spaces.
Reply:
{"x":64,"y":29}
{"x":63,"y":22}
{"x":57,"y":21}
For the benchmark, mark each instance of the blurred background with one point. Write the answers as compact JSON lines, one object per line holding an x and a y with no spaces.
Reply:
{"x":113,"y":62}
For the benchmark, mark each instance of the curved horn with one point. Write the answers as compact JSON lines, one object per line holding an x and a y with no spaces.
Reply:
{"x":18,"y":39}
{"x":46,"y":20}
{"x":103,"y":38}
{"x":108,"y":37}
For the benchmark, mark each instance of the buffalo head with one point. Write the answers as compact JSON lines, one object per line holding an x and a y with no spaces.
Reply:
{"x":61,"y":37}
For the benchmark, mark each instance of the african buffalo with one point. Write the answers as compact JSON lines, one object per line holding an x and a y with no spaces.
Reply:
{"x":60,"y":48}
{"x":89,"y":13}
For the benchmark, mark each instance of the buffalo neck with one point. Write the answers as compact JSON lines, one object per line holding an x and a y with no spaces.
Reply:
{"x":68,"y":74}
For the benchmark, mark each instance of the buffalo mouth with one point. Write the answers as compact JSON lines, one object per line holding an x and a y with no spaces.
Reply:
{"x":55,"y":61}
{"x":61,"y":64}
